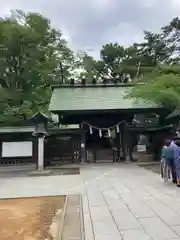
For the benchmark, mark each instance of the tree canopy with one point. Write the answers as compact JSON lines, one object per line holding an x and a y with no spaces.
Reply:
{"x":162,"y":85}
{"x":34,"y":55}
{"x":163,"y":89}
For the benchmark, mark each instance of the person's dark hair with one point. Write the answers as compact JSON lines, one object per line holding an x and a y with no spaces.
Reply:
{"x":167,"y":143}
{"x":177,"y":142}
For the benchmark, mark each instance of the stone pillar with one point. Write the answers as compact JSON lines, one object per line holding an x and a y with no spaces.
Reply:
{"x":40,"y":153}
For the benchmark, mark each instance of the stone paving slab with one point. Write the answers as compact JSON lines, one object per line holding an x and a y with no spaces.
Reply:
{"x":176,"y":229}
{"x":135,"y":235}
{"x":107,"y":237}
{"x":139,"y":209}
{"x":115,"y":204}
{"x":157,"y":229}
{"x":120,"y":201}
{"x":100,"y":227}
{"x":100,"y":213}
{"x":125,"y":219}
{"x":169,"y":216}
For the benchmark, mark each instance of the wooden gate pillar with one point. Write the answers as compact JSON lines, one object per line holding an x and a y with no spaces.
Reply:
{"x":83,"y":146}
{"x":127,"y":146}
{"x":124,"y":143}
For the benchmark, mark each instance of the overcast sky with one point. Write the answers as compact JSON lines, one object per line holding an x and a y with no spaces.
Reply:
{"x":87,"y":24}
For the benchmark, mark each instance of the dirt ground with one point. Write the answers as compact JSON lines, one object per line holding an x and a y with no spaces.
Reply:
{"x":28,"y":218}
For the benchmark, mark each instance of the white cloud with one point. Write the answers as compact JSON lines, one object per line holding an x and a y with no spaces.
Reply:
{"x":89,"y":24}
{"x":125,"y":34}
{"x":176,"y":3}
{"x":102,"y":5}
{"x":149,"y":3}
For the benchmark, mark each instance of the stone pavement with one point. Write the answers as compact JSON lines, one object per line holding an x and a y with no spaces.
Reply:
{"x":120,"y":201}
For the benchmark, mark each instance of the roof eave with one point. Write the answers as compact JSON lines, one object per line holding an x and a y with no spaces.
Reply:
{"x":90,"y":85}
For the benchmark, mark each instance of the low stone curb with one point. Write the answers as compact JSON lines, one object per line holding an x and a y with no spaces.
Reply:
{"x":40,"y":173}
{"x":71,"y":225}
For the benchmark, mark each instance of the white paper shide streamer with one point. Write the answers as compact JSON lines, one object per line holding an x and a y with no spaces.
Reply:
{"x":90,"y":130}
{"x":100,"y":132}
{"x":109,"y":132}
{"x":117,"y":128}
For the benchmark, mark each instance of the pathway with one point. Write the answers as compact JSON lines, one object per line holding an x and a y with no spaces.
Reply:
{"x":120,"y":201}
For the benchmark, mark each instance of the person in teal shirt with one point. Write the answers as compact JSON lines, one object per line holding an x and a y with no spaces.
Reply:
{"x":165,"y":156}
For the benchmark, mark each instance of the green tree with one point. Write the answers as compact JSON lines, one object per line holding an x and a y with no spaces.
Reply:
{"x":33,"y":55}
{"x":112,"y":55}
{"x":171,"y":34}
{"x":136,"y":59}
{"x":160,"y":88}
{"x":153,"y":50}
{"x":89,"y":67}
{"x":133,"y":61}
{"x":93,"y":67}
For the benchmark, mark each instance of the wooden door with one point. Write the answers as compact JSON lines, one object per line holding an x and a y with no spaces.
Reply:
{"x":63,"y":148}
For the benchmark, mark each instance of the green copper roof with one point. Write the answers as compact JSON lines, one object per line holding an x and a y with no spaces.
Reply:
{"x":94,"y":98}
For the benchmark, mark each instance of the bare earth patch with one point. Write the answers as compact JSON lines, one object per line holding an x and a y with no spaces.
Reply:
{"x":28,"y":218}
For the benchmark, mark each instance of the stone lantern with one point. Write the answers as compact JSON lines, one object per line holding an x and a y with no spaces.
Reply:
{"x":40,"y":121}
